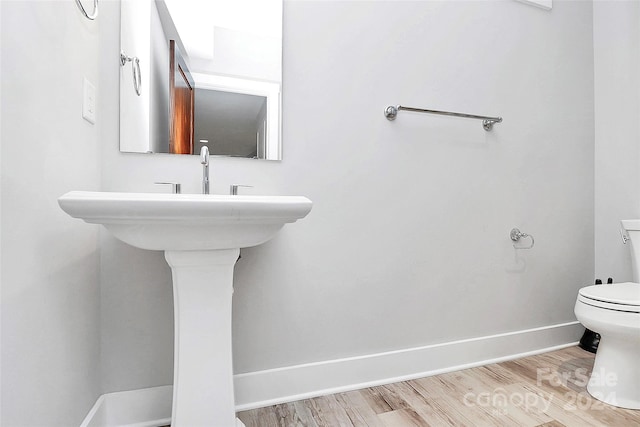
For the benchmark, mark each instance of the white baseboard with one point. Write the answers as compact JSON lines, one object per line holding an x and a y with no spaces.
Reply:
{"x":273,"y":386}
{"x":151,"y":407}
{"x":147,"y":407}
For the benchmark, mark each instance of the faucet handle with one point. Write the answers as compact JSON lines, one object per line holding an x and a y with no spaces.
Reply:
{"x":233,"y":189}
{"x":175,"y":186}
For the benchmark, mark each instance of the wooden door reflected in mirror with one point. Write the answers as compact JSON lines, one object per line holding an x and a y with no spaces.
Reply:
{"x":181,"y":103}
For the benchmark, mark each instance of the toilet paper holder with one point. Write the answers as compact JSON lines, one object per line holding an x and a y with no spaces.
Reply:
{"x":516,"y":235}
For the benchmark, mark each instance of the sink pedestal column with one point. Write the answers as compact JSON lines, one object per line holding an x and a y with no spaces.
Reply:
{"x":203,"y":364}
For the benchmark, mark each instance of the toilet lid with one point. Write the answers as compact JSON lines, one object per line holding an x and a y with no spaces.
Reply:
{"x":620,"y":296}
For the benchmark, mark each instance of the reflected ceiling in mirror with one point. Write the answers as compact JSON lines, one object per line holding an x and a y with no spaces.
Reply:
{"x":232,"y":56}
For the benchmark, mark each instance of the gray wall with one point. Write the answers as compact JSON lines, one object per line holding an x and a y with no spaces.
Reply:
{"x":407,"y":243}
{"x":50,"y":290}
{"x":616,"y":35}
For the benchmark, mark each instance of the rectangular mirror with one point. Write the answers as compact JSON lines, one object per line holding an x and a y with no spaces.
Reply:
{"x":201,"y":72}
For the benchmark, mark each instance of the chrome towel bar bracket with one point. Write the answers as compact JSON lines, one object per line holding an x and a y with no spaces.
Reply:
{"x":391,"y":113}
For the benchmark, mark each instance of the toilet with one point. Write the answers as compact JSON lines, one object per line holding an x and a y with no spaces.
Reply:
{"x":613,"y":310}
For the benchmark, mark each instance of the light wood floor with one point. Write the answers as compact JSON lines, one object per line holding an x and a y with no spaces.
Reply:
{"x":544,"y":390}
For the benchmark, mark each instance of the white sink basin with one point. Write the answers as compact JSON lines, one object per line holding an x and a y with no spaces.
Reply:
{"x":201,"y":236}
{"x":186,"y":221}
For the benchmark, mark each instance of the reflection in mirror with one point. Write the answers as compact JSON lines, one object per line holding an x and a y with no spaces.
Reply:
{"x":233,"y":50}
{"x":231,"y":123}
{"x":181,"y":103}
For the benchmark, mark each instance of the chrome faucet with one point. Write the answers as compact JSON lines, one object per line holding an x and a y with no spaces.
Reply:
{"x":204,"y":160}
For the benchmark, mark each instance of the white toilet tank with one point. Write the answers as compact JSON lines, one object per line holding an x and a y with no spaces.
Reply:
{"x":632,"y":226}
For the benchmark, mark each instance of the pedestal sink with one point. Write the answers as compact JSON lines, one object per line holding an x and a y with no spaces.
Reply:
{"x":201,"y":236}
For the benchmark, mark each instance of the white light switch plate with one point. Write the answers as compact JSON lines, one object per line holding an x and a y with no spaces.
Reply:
{"x":89,"y":102}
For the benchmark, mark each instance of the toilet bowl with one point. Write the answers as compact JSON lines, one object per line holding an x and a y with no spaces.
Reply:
{"x":614,"y":312}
